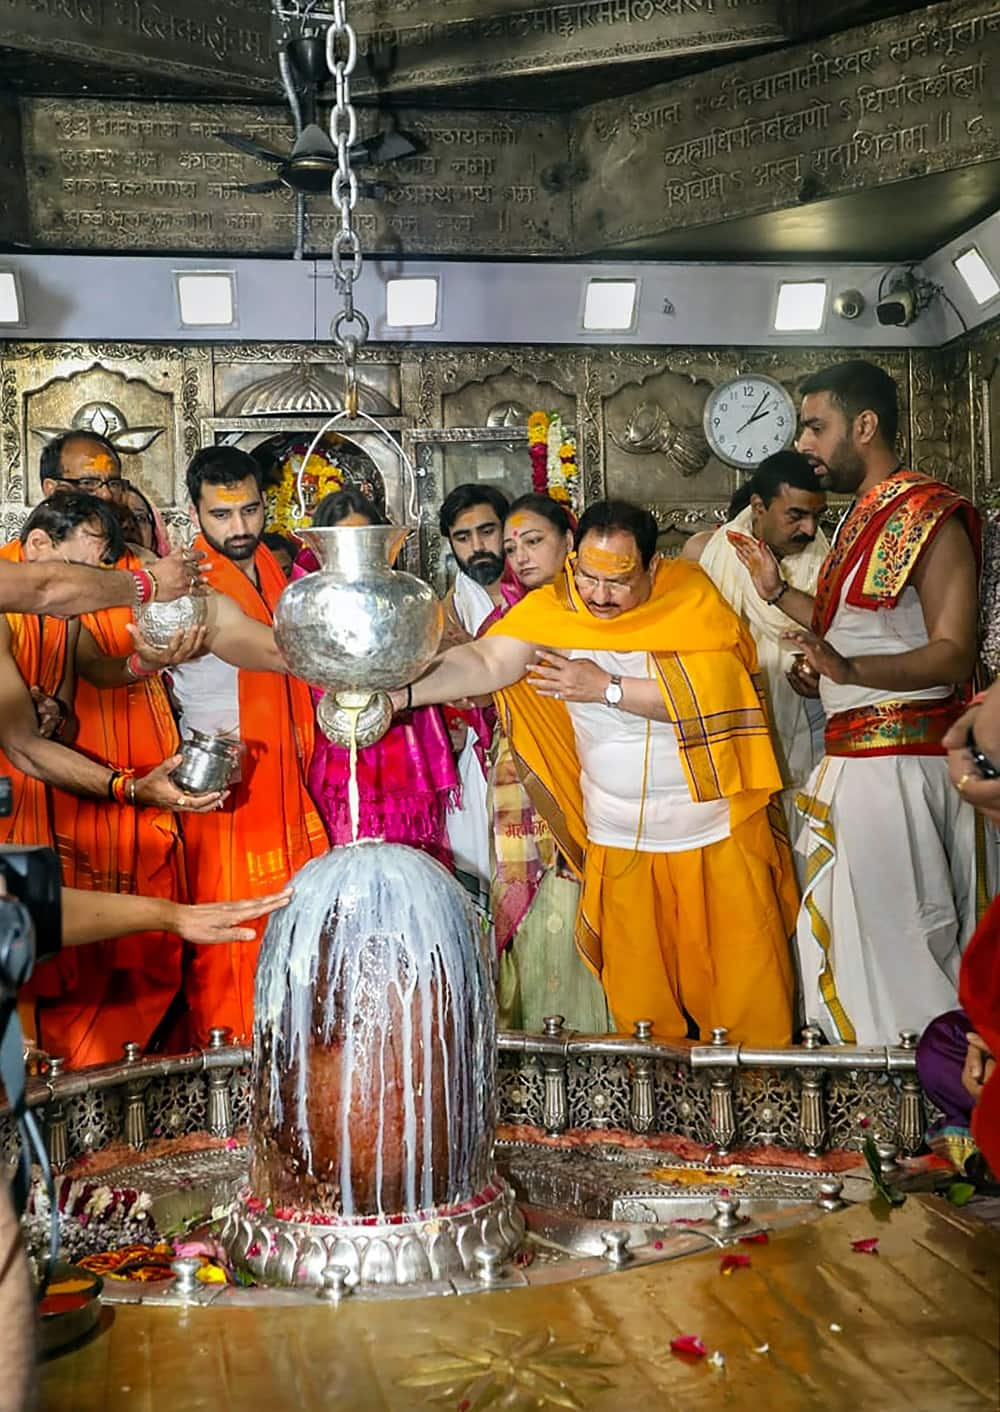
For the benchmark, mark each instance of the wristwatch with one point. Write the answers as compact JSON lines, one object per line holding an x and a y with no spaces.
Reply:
{"x":613,"y":692}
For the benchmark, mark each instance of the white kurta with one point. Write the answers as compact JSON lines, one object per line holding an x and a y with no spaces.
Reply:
{"x":469,"y":825}
{"x":796,"y":722}
{"x":635,"y":792}
{"x":892,"y":863}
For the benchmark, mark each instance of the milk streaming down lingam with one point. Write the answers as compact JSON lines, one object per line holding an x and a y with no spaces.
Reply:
{"x":374,"y":1043}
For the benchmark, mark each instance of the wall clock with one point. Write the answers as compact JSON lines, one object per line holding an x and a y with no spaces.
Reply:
{"x":748,"y":418}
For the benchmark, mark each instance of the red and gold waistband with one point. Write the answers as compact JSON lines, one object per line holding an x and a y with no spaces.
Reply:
{"x":892,"y":728}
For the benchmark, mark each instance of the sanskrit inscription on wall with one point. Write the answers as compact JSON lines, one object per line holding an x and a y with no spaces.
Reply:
{"x":209,"y":38}
{"x":146,"y":176}
{"x":877,"y":104}
{"x":453,"y":41}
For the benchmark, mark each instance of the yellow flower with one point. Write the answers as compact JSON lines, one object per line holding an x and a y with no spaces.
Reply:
{"x":211,"y":1275}
{"x":538,"y":428}
{"x":560,"y":493}
{"x":567,"y":451}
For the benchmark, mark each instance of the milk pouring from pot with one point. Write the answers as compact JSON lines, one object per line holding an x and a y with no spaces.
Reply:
{"x":357,"y":627}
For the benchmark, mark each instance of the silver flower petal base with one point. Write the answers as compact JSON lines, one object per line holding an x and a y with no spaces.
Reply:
{"x":472,"y":1239}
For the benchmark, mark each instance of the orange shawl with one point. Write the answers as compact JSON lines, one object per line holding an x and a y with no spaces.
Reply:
{"x":38,"y":646}
{"x":887,"y":531}
{"x":705,"y":661}
{"x":106,"y":847}
{"x":269,"y":826}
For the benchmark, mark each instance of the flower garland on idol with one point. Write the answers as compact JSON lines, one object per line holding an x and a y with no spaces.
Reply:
{"x":322,"y":476}
{"x":554,"y":471}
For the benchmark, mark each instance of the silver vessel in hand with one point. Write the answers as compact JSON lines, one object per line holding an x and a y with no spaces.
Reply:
{"x":357,"y":627}
{"x":159,"y":621}
{"x":208,"y":762}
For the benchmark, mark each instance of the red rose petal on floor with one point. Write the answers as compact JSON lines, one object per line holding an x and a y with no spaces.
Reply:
{"x":758,"y":1238}
{"x":869,"y":1246}
{"x":734,"y":1262}
{"x":688,"y":1344}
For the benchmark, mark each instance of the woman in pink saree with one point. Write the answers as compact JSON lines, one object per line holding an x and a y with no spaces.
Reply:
{"x":406,"y":780}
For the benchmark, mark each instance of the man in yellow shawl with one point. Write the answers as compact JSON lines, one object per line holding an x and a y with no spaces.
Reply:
{"x":628,"y":695}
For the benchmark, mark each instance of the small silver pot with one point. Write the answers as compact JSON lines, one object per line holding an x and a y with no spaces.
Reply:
{"x":208,"y":762}
{"x":159,"y":621}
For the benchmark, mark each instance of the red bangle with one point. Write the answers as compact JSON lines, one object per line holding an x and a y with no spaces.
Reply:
{"x":117,"y":789}
{"x":136,"y":669}
{"x":145,"y":590}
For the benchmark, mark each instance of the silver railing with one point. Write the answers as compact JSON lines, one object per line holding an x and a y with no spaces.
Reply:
{"x":808,"y":1097}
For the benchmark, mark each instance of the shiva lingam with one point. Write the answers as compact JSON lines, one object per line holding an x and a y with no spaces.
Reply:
{"x":357,"y":627}
{"x":373,"y":1087}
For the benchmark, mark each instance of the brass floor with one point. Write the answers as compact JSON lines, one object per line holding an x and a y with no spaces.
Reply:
{"x":812,"y":1324}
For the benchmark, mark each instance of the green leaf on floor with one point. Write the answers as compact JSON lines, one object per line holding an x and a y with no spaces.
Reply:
{"x":958,"y":1193}
{"x":886,"y":1192}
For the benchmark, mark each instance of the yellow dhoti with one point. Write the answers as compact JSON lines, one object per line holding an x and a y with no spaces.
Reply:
{"x":700,"y":934}
{"x":703,"y":932}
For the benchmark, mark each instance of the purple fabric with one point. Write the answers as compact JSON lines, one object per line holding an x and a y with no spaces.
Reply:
{"x":940,"y":1057}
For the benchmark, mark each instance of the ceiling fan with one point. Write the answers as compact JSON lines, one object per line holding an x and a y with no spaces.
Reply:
{"x":309,"y":167}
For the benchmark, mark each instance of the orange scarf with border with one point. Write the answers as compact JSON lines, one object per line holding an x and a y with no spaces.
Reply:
{"x":705,"y":662}
{"x":269,"y":827}
{"x":108,"y":847}
{"x":887,"y":531}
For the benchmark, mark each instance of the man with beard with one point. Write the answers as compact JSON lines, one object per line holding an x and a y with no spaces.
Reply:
{"x":891,"y":632}
{"x":268,"y":827}
{"x":782,"y":508}
{"x":471,"y":519}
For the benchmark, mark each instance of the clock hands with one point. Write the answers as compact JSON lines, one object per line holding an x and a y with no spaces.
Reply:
{"x":756,"y":414}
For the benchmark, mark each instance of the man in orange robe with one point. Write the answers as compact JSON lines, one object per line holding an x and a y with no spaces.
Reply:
{"x":268,"y":827}
{"x":641,"y":737}
{"x":67,"y":997}
{"x":104,"y":847}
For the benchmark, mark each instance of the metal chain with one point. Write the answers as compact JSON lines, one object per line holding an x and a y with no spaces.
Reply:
{"x":341,"y":57}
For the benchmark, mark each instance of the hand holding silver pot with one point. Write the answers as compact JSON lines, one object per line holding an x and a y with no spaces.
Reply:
{"x":207,"y":763}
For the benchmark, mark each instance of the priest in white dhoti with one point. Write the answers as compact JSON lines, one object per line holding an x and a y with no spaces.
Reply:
{"x":780,"y":506}
{"x":471,"y":520}
{"x":895,"y":878}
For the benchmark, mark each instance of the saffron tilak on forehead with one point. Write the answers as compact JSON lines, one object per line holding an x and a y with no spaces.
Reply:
{"x":100,"y":461}
{"x":605,"y":561}
{"x":229,"y":494}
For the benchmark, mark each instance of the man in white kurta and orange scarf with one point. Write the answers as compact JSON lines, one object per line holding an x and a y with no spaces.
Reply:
{"x":642,"y":739}
{"x":895,"y":879}
{"x":781,"y":507}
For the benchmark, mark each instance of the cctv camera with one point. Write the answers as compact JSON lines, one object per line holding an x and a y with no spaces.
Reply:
{"x":899,"y":307}
{"x":849,"y":304}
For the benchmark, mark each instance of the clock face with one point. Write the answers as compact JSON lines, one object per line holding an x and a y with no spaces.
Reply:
{"x":748,"y":418}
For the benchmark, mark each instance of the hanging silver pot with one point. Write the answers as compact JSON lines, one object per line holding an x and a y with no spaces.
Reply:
{"x":357,"y":627}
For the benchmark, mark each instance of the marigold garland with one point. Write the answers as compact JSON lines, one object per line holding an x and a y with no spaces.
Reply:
{"x":322,"y":476}
{"x":554,"y":471}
